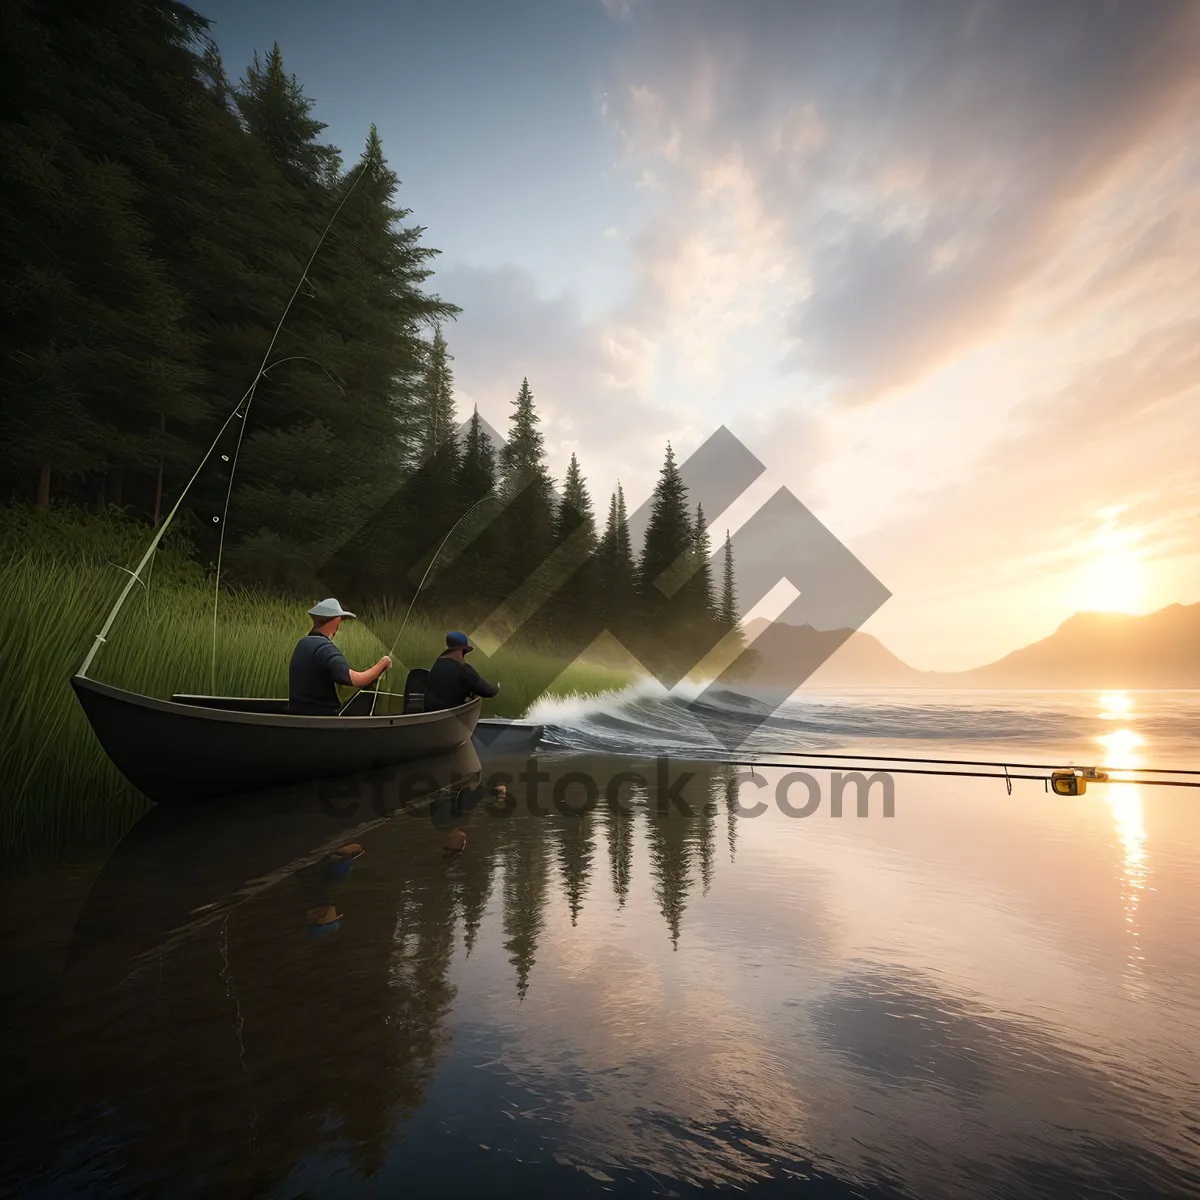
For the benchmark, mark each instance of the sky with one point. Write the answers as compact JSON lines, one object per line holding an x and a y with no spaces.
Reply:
{"x":936,"y":263}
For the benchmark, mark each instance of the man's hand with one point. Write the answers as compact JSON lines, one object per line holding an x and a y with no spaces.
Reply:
{"x":360,"y":679}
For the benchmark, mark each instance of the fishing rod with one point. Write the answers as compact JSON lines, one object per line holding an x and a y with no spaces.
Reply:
{"x":135,"y":576}
{"x":965,"y":762}
{"x":1098,"y":777}
{"x":249,"y":398}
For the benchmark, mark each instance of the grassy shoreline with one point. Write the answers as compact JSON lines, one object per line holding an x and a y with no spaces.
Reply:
{"x":59,"y":788}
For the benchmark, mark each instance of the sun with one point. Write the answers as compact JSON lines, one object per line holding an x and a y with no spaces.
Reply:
{"x":1113,"y":577}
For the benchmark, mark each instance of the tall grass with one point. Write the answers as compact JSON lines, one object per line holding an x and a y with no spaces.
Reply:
{"x":58,"y":787}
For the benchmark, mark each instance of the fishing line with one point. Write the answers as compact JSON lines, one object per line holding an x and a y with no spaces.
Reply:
{"x":304,"y":358}
{"x":135,"y":575}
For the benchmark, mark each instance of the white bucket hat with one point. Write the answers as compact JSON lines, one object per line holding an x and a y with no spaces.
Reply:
{"x":327,"y":609}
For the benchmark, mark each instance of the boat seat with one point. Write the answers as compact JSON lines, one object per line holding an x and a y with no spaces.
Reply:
{"x":248,"y":704}
{"x":414,"y":690}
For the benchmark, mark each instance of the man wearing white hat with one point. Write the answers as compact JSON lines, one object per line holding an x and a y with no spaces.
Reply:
{"x":318,"y":665}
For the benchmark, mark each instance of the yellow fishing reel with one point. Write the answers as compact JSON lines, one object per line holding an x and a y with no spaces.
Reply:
{"x":1070,"y":783}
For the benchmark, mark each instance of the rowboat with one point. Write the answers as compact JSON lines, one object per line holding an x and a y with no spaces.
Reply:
{"x":197,"y":747}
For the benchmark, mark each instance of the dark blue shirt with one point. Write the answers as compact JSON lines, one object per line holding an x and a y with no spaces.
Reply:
{"x":317,"y":665}
{"x":452,"y":683}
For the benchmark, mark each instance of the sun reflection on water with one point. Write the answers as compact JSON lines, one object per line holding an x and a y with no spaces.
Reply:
{"x":1115,"y":706}
{"x":1120,"y":757}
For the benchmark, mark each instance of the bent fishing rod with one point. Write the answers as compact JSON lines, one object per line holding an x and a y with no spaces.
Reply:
{"x":238,"y":413}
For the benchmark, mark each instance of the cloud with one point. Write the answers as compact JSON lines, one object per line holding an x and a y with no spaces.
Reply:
{"x":619,"y":10}
{"x":589,"y":377}
{"x":909,"y":167}
{"x":939,"y":264}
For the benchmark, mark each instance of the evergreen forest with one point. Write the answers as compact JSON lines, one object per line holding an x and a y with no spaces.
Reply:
{"x":160,"y":216}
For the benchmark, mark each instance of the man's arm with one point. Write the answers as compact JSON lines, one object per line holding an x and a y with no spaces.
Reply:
{"x":362,"y":678}
{"x":477,"y":683}
{"x":340,"y":671}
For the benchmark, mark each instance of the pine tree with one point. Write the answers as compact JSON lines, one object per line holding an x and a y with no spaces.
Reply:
{"x":436,"y":398}
{"x":624,"y":567}
{"x":700,"y":585}
{"x":574,"y":511}
{"x":527,"y":493}
{"x":577,"y":602}
{"x":727,"y":612}
{"x":669,"y":539}
{"x":605,"y":554}
{"x":473,"y":575}
{"x":523,"y":454}
{"x":279,"y":115}
{"x":211,"y":70}
{"x":477,"y":464}
{"x":615,"y":570}
{"x":440,"y":506}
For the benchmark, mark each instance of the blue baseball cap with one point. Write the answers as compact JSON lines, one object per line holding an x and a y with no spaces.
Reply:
{"x":458,"y":641}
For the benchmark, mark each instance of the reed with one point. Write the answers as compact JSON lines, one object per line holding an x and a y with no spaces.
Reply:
{"x":59,"y":788}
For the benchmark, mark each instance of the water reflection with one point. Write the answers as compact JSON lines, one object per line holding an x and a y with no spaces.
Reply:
{"x":288,"y":961}
{"x":560,"y":1029}
{"x":1121,"y":749}
{"x":1115,"y":706}
{"x":1121,"y":756}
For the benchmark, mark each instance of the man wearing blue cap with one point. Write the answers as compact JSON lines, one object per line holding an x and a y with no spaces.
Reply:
{"x":318,"y":665}
{"x":452,"y":681}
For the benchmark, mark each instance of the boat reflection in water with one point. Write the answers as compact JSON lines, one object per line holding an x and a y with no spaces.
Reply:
{"x":184,"y":867}
{"x":221,"y":972}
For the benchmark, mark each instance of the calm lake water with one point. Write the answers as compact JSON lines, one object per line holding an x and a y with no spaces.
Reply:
{"x":984,"y":994}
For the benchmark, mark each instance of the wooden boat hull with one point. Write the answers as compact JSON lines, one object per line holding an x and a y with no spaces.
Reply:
{"x":172,"y":750}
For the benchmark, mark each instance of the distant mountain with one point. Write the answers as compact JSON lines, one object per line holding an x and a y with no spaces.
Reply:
{"x":1106,"y":650}
{"x":1088,"y":650}
{"x":787,"y":652}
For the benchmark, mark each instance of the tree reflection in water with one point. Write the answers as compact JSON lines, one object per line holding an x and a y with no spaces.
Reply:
{"x":201,"y":1022}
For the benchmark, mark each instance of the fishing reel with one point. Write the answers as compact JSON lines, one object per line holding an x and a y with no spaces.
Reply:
{"x":1070,"y":783}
